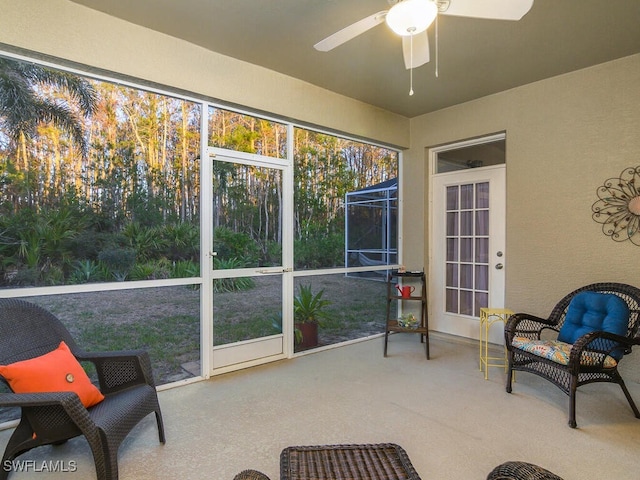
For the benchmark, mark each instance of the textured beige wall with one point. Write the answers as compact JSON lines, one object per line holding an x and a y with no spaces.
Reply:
{"x":69,"y":31}
{"x":565,"y":136}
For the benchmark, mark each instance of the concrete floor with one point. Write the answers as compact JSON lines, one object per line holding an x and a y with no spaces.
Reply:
{"x":452,"y":422}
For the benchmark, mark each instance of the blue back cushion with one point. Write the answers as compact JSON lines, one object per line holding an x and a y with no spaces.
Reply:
{"x":592,"y":311}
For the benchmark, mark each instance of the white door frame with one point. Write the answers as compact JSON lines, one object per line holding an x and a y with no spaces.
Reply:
{"x":439,"y":320}
{"x":229,"y":357}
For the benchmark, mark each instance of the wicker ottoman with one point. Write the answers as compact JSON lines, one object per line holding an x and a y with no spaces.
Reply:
{"x":382,"y":461}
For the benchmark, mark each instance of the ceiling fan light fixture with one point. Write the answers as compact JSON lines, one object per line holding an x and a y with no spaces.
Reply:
{"x":410,"y":17}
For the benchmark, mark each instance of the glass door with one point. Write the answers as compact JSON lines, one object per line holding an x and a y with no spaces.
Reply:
{"x":247,"y":258}
{"x":467,"y":235}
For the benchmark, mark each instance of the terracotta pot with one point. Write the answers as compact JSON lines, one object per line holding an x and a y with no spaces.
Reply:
{"x":309,"y":336}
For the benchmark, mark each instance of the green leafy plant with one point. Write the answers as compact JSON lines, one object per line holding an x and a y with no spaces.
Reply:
{"x":276,"y":324}
{"x":145,"y":241}
{"x":145,"y":271}
{"x":119,"y":261}
{"x":319,"y":250}
{"x":185,"y":268}
{"x":309,"y":307}
{"x":181,"y":241}
{"x":231,"y":284}
{"x":85,"y":271}
{"x":408,"y":320}
{"x":236,"y":245}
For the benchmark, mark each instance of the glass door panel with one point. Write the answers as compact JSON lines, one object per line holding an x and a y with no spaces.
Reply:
{"x":473,"y":215}
{"x":247,"y":218}
{"x":247,"y":260}
{"x":241,"y":315}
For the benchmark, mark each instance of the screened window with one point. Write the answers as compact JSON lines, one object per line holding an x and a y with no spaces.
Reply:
{"x":100,"y":183}
{"x":247,"y":133}
{"x":341,"y":205}
{"x":371,"y":225}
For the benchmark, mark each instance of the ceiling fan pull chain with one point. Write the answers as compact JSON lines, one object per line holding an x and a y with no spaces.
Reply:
{"x":411,"y":66}
{"x":436,"y":47}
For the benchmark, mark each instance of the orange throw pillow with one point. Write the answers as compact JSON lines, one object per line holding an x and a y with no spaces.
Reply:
{"x":56,"y":371}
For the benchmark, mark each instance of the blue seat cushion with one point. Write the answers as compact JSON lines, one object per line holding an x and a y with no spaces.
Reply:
{"x":593,"y":311}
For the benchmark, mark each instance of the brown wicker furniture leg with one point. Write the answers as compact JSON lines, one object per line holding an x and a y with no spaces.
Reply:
{"x":383,"y":461}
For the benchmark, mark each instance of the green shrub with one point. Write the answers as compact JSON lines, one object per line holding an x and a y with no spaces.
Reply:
{"x":85,"y":271}
{"x":89,"y":243}
{"x":119,"y":261}
{"x":319,"y":251}
{"x":181,"y":241}
{"x":185,"y":268}
{"x":273,"y":255}
{"x":233,"y":245}
{"x":143,"y":271}
{"x":145,"y":241}
{"x":26,"y":276}
{"x":231,"y":284}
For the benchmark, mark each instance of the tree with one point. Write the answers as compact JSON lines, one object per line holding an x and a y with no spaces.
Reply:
{"x":27,"y":103}
{"x":23,"y":107}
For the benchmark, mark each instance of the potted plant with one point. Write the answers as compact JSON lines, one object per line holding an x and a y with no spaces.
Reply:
{"x":408,"y":320}
{"x":308,"y":310}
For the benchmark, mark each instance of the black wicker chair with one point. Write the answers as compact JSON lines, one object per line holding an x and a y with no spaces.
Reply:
{"x":125,"y":379}
{"x":590,"y":356}
{"x":521,"y":471}
{"x":251,"y":475}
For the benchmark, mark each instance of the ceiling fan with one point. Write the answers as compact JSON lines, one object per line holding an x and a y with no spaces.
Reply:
{"x":411,"y":18}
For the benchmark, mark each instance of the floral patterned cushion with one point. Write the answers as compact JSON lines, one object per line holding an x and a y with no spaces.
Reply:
{"x":558,"y":351}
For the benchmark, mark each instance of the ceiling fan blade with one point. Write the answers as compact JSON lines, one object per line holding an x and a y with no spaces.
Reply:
{"x":420,"y":50}
{"x":490,"y":9}
{"x":352,"y":31}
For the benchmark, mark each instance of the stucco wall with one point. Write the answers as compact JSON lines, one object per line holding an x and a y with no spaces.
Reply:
{"x":565,"y":136}
{"x":73,"y":32}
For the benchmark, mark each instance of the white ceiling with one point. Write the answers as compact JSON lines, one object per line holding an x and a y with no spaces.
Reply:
{"x":476,"y":57}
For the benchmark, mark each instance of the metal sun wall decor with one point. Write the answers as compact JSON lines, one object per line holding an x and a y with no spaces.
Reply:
{"x":618,"y":207}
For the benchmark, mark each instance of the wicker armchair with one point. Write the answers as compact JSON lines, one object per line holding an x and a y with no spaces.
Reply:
{"x":125,"y":379}
{"x":593,"y":357}
{"x":251,"y":475}
{"x":521,"y":471}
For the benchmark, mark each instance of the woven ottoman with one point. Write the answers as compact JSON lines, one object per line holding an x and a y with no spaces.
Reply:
{"x":382,"y":461}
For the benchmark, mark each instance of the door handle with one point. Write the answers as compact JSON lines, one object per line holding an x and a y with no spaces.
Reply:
{"x":280,"y":270}
{"x":499,"y":266}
